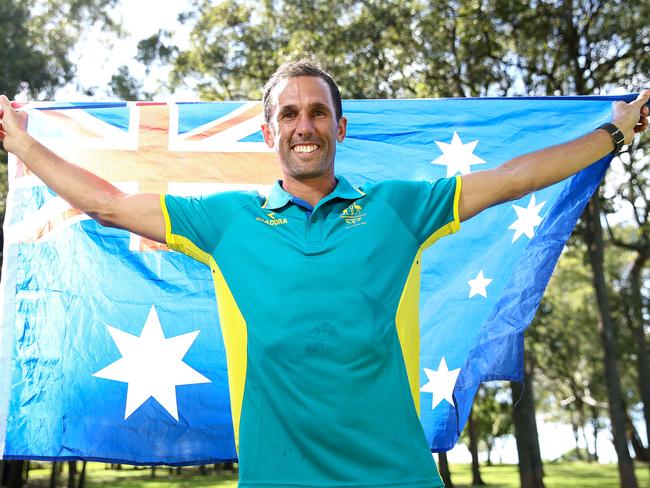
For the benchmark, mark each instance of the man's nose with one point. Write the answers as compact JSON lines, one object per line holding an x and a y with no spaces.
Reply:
{"x":305,"y":125}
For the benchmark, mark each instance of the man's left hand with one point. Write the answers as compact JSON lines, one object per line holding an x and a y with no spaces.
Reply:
{"x":632,"y":118}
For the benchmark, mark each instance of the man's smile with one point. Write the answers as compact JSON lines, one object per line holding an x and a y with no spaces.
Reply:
{"x":305,"y":148}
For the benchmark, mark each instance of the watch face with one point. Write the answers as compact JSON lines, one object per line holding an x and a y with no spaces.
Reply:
{"x":618,"y":136}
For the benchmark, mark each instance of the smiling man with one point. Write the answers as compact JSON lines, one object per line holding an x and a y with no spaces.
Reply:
{"x":313,"y":336}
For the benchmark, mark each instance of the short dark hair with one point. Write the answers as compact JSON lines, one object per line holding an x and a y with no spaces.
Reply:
{"x":292,"y":70}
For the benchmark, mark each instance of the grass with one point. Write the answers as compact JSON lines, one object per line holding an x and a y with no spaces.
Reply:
{"x":561,"y":475}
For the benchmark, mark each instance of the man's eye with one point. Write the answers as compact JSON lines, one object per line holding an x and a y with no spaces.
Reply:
{"x":319,"y":113}
{"x":288,"y":115}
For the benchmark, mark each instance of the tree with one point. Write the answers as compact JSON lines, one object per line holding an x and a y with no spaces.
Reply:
{"x":582,"y":47}
{"x":531,"y":474}
{"x":569,"y":364}
{"x":633,"y":194}
{"x":36,"y":38}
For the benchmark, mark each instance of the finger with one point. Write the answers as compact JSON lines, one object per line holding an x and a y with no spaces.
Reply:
{"x":4,"y":102}
{"x":642,"y":99}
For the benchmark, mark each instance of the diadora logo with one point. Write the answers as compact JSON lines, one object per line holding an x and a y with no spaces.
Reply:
{"x":353,"y":216}
{"x":273,"y":219}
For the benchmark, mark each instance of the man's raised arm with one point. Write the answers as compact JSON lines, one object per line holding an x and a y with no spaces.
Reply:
{"x":539,"y":169}
{"x":138,"y":213}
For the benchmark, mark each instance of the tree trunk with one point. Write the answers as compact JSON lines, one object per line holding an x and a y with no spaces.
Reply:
{"x":443,"y":466}
{"x":640,"y":452}
{"x":595,"y":246}
{"x":576,"y":439}
{"x":639,"y":335}
{"x":595,"y":424}
{"x":490,"y":447}
{"x":54,"y":477}
{"x":530,"y":460}
{"x":12,"y":474}
{"x":72,"y":474}
{"x":82,"y":476}
{"x":473,"y":449}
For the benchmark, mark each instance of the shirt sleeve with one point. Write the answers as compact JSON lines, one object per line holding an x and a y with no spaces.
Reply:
{"x":195,"y":225}
{"x":428,"y":209}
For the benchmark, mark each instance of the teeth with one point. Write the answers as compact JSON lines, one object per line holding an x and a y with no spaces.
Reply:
{"x":305,"y":148}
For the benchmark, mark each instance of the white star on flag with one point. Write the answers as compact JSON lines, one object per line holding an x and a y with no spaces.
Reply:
{"x":152,"y":365}
{"x":458,"y":157}
{"x":478,"y":286}
{"x":441,"y":383}
{"x":527,"y":219}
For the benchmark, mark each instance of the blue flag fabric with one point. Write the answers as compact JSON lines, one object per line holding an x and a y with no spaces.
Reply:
{"x":109,"y":344}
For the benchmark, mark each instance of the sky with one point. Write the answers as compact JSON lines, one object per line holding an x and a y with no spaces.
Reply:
{"x":99,"y":56}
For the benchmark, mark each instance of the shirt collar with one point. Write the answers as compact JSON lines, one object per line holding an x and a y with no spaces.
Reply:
{"x":279,"y":197}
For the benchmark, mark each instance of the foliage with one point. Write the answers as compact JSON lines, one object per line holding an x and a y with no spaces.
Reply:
{"x":126,"y":87}
{"x":492,"y":415}
{"x":412,"y":48}
{"x":36,"y":38}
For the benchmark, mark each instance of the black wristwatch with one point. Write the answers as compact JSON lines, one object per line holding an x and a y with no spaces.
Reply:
{"x":617,"y":136}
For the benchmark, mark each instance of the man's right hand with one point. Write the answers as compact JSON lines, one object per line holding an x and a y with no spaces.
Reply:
{"x":13,"y":125}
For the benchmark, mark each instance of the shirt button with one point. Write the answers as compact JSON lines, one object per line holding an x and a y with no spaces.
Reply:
{"x":314,"y":219}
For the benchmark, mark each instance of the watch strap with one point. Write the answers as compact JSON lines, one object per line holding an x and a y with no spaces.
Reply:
{"x":617,"y":136}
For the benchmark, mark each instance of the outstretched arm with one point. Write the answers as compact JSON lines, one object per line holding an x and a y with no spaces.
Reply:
{"x":138,"y":213}
{"x":539,"y":169}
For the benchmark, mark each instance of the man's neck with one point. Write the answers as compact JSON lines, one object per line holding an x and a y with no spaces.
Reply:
{"x":311,"y":190}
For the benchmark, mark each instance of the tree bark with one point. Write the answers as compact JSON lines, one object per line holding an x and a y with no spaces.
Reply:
{"x":640,"y":452}
{"x":443,"y":466}
{"x":473,"y":449}
{"x":576,"y":440}
{"x":72,"y":474}
{"x":12,"y":474}
{"x":642,"y":360}
{"x":595,"y":424}
{"x":54,"y":477}
{"x":595,"y":246}
{"x":490,"y":447}
{"x":82,"y":476}
{"x":530,"y":460}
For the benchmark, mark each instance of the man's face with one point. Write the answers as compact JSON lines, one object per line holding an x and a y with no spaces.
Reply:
{"x":303,"y":128}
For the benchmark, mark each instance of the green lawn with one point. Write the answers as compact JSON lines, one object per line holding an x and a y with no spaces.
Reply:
{"x":564,"y":475}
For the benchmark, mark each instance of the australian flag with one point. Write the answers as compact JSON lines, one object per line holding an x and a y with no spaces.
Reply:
{"x":110,"y":347}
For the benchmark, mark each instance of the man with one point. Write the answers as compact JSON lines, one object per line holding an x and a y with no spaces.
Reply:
{"x":313,"y":332}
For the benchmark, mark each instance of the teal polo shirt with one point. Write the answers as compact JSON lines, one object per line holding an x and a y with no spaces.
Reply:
{"x":319,"y":315}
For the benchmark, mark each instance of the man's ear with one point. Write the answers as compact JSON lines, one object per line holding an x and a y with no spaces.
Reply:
{"x":269,"y":136}
{"x":340,"y":132}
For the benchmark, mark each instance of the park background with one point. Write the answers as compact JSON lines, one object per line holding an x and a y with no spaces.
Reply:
{"x":595,"y":312}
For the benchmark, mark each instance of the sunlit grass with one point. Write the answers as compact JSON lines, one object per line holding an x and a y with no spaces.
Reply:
{"x":563,"y":475}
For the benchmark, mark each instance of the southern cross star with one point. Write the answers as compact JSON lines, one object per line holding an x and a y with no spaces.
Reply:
{"x":527,"y":219}
{"x":478,"y":286}
{"x":441,"y":383}
{"x":152,"y":365}
{"x":458,"y":157}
